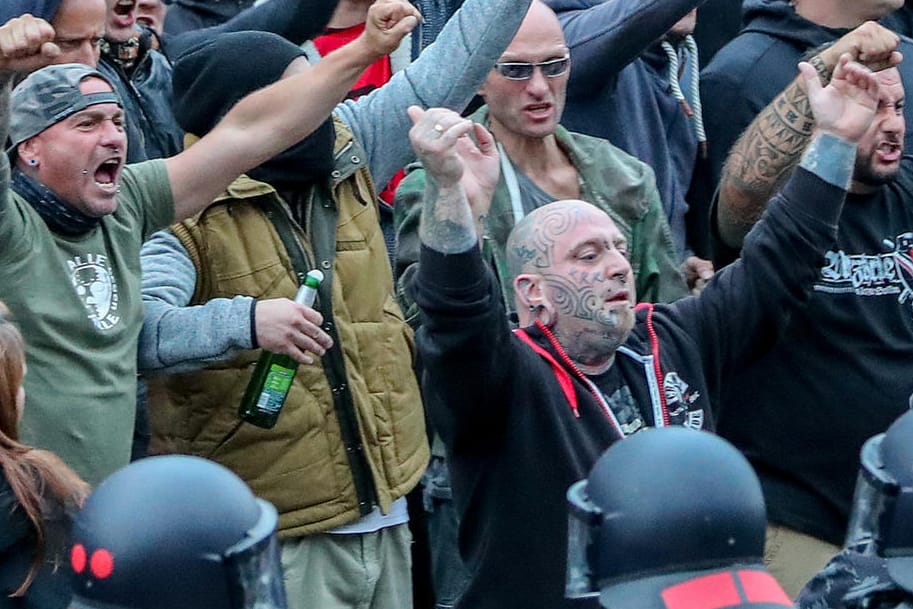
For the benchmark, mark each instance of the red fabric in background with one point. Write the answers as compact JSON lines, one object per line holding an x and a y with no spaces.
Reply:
{"x":374,"y":77}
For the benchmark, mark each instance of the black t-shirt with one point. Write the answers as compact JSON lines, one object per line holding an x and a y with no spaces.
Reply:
{"x":617,"y":396}
{"x":842,"y":372}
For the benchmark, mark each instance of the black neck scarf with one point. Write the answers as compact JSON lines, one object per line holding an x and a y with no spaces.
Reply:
{"x":60,"y":217}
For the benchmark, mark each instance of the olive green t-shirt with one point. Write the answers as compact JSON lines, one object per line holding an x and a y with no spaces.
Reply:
{"x":78,"y":303}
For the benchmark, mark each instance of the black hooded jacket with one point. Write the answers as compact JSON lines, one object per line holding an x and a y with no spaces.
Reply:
{"x":754,"y":68}
{"x":521,"y":424}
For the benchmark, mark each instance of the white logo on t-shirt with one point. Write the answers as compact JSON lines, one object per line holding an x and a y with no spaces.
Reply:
{"x":679,"y":399}
{"x":97,"y":289}
{"x":890,"y":272}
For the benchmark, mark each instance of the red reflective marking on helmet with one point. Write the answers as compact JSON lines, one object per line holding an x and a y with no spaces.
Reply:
{"x":78,"y":558}
{"x":761,"y":587}
{"x":707,"y":592}
{"x":102,"y":564}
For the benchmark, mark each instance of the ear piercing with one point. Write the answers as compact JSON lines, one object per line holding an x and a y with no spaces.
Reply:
{"x":33,"y":162}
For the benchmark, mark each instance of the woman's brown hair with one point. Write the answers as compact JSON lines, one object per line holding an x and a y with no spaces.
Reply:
{"x":36,"y":477}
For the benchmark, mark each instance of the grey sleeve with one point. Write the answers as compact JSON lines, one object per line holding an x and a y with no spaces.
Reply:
{"x":181,"y":338}
{"x":447,"y":74}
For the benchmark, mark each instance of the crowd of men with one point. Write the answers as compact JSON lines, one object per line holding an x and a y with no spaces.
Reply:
{"x":544,"y":226}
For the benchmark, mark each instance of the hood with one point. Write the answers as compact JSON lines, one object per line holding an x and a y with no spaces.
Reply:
{"x":778,"y":19}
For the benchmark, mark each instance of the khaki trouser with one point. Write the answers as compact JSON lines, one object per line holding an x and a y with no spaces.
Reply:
{"x":794,"y":558}
{"x":354,"y":571}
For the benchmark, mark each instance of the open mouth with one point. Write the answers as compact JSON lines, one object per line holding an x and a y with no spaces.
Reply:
{"x":889,"y":152}
{"x":106,"y":175}
{"x":538,"y":108}
{"x":123,"y":8}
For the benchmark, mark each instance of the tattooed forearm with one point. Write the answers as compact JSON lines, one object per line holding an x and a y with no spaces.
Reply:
{"x":761,"y":159}
{"x":447,"y":225}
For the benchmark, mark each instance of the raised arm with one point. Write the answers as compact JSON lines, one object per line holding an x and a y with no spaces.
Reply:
{"x":447,"y":75}
{"x":604,"y":36}
{"x":276,"y":117}
{"x":773,"y":143}
{"x":464,"y":332}
{"x":25,"y":45}
{"x":461,"y":178}
{"x":747,"y":305}
{"x":294,"y":20}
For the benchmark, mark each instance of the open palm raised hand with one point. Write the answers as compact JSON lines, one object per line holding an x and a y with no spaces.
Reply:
{"x":847,"y":105}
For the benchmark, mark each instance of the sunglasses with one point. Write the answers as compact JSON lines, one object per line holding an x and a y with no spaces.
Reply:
{"x":518,"y":70}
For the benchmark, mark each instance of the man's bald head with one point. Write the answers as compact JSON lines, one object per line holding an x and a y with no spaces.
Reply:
{"x":530,"y":246}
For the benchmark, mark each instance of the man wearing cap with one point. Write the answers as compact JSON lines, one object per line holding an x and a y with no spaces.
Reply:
{"x":111,"y":39}
{"x":73,"y":218}
{"x":587,"y":368}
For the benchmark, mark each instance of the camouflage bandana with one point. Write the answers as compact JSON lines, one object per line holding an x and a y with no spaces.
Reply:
{"x":50,"y":95}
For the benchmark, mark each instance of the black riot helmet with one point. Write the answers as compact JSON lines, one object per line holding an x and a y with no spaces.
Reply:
{"x":670,"y":518}
{"x":175,"y":532}
{"x":882,"y":519}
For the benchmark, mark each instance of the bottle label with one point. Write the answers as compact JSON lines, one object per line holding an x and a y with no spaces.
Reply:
{"x":278,"y":381}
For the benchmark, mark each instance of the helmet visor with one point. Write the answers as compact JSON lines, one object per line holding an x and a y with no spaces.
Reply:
{"x":583,"y":519}
{"x":254,"y":568}
{"x":873,"y":502}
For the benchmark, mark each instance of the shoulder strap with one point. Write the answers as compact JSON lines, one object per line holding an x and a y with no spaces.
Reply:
{"x":322,"y":215}
{"x":279,"y":218}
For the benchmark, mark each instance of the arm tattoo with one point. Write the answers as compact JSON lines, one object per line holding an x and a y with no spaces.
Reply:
{"x":764,"y":155}
{"x":772,"y":144}
{"x":447,"y":225}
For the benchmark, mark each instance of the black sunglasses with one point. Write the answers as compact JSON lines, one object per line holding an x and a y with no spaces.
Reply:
{"x":519,"y":70}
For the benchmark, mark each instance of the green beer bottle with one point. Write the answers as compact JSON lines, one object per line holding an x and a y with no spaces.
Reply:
{"x":272,"y":378}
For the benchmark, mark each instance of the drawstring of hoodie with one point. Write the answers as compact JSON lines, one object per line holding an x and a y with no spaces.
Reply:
{"x":694,"y":109}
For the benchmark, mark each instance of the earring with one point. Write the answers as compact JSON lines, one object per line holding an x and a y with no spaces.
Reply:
{"x":33,"y":162}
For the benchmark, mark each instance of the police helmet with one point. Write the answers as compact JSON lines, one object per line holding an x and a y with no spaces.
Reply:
{"x":670,"y":518}
{"x":882,"y":519}
{"x":175,"y":532}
